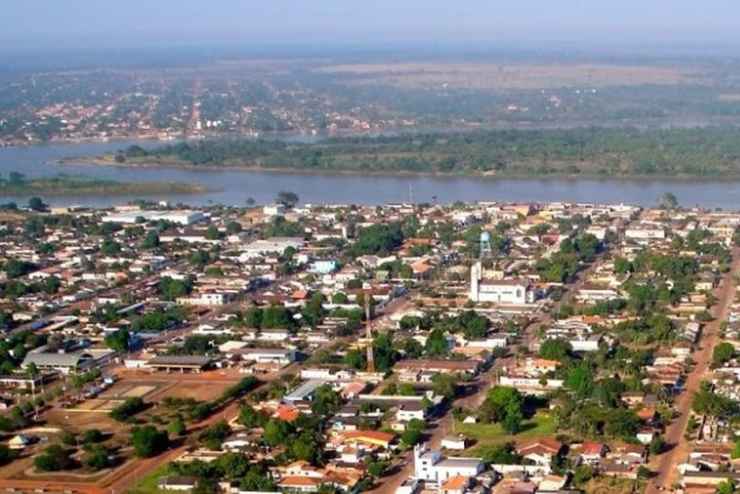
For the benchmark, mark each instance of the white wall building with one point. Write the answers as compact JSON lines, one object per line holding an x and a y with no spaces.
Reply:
{"x":433,"y":466}
{"x":504,"y":291}
{"x":181,"y":217}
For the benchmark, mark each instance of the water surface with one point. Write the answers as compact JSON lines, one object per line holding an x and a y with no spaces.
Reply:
{"x":234,"y":187}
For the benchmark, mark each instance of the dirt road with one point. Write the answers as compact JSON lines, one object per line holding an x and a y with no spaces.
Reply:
{"x":702,"y":356}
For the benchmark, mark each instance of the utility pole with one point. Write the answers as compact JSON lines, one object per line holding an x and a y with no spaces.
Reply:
{"x":369,"y":335}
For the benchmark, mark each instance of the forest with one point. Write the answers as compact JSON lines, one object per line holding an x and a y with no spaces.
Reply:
{"x":609,"y":152}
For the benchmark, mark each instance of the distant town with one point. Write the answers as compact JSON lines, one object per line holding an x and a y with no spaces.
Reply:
{"x":405,"y":348}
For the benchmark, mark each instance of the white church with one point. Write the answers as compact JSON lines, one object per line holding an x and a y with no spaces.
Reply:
{"x":499,"y":290}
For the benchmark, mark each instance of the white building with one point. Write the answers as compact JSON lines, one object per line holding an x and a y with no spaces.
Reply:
{"x":644,"y":232}
{"x":181,"y":217}
{"x":504,"y":291}
{"x":433,"y":466}
{"x":274,"y":245}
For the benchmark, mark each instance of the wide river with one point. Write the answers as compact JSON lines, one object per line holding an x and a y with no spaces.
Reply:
{"x":233,"y":187}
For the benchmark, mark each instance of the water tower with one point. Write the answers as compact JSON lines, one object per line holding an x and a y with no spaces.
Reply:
{"x":485,"y":245}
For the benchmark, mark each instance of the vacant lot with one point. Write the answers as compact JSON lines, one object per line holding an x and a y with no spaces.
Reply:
{"x":485,"y":435}
{"x":509,"y":76}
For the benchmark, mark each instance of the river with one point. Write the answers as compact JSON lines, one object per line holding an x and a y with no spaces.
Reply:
{"x":234,"y":187}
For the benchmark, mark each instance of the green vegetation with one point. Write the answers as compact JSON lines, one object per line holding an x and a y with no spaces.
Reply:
{"x":703,"y":152}
{"x":487,"y":435}
{"x":53,"y":459}
{"x":127,"y":409}
{"x":148,"y":441}
{"x":62,"y":185}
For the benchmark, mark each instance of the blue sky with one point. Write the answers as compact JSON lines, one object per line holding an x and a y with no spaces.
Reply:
{"x":131,"y":22}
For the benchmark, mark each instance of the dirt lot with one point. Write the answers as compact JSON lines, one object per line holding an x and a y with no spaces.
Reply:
{"x":508,"y":76}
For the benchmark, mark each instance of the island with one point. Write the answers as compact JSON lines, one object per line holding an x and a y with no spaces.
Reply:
{"x":586,"y":152}
{"x":17,"y":184}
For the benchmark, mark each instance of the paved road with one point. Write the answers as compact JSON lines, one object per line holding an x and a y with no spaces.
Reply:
{"x":680,"y":447}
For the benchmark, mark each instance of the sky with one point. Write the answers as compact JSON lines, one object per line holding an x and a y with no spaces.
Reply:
{"x":30,"y":24}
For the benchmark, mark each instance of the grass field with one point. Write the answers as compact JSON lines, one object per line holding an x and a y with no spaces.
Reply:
{"x":484,"y":435}
{"x":148,"y":484}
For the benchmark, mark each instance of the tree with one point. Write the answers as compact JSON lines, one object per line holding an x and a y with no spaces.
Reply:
{"x":151,"y":241}
{"x":708,"y":402}
{"x":384,"y":352}
{"x":622,"y":423}
{"x":110,"y":247}
{"x":355,"y":359}
{"x":36,"y":204}
{"x":555,"y":349}
{"x":313,"y":311}
{"x":287,"y":198}
{"x":6,"y":454}
{"x":668,"y":201}
{"x":722,"y":353}
{"x":378,"y":239}
{"x":276,"y":432}
{"x":580,"y":380}
{"x":377,"y":468}
{"x":212,"y":233}
{"x":176,"y":427}
{"x":253,"y":317}
{"x":118,"y":340}
{"x":582,"y":474}
{"x":501,"y":401}
{"x":436,"y":344}
{"x":233,"y":227}
{"x":214,"y":436}
{"x":413,"y":433}
{"x":502,"y":454}
{"x":92,"y":436}
{"x":97,"y":457}
{"x":53,"y":459}
{"x":306,"y":448}
{"x":657,"y":445}
{"x":15,"y":268}
{"x":513,"y":417}
{"x":172,"y":289}
{"x":250,"y":418}
{"x":726,"y":487}
{"x":445,"y":385}
{"x":127,"y":409}
{"x":148,"y":441}
{"x":325,"y":401}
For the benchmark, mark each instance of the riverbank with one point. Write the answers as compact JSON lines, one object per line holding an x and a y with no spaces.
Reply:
{"x":78,"y":186}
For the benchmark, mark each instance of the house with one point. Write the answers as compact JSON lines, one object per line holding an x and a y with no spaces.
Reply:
{"x":455,"y":443}
{"x":591,"y":452}
{"x":646,"y":435}
{"x":236,"y":442}
{"x":177,"y":483}
{"x":409,"y":411}
{"x":370,"y":438}
{"x":540,"y":452}
{"x":293,"y":483}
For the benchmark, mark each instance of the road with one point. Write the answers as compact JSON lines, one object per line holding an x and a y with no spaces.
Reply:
{"x":667,"y":467}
